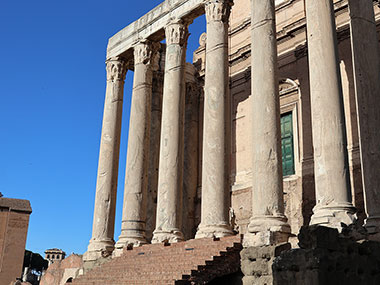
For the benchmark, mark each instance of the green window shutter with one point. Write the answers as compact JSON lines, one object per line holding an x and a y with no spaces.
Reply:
{"x":287,"y":144}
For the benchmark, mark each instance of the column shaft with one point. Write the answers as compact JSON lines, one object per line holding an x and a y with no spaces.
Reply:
{"x":268,"y":223}
{"x":332,"y":186}
{"x":365,"y":53}
{"x":136,"y":182}
{"x":102,"y":242}
{"x":217,"y":125}
{"x":154,"y":150}
{"x":191,"y":155}
{"x":169,"y":200}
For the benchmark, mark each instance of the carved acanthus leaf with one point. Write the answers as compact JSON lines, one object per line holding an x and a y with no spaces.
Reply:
{"x":143,"y":52}
{"x":218,"y":10}
{"x":116,"y":69}
{"x":176,"y":33}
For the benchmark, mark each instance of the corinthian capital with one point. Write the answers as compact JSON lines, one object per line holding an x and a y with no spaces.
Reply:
{"x":143,"y":52}
{"x":218,"y":10}
{"x":116,"y":69}
{"x":176,"y":33}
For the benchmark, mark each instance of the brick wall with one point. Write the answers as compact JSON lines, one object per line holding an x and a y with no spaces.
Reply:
{"x":14,"y":221}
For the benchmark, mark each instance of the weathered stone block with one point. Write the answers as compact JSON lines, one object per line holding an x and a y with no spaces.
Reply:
{"x":343,"y":261}
{"x":318,"y":237}
{"x":256,"y":263}
{"x":263,"y":252}
{"x":254,"y":280}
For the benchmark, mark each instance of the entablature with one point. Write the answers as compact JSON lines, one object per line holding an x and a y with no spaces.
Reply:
{"x":151,"y":25}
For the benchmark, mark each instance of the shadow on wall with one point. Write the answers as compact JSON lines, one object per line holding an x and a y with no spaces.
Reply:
{"x":231,"y":279}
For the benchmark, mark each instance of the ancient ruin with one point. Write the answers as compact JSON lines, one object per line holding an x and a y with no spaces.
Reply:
{"x":272,"y":128}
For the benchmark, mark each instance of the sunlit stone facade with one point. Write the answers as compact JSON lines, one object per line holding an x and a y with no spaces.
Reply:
{"x":274,"y":125}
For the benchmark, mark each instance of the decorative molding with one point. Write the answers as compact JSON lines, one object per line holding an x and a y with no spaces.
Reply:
{"x":202,"y":39}
{"x":287,"y":86}
{"x":116,"y":69}
{"x":218,"y":10}
{"x":282,"y":3}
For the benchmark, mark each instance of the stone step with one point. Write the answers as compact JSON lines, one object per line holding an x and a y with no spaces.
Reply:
{"x":177,"y":263}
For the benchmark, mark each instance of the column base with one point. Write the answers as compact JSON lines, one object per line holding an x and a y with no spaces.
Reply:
{"x":170,"y":236}
{"x":334,"y":215}
{"x":98,"y":249}
{"x":126,"y":241}
{"x":372,"y":225}
{"x":211,"y":231}
{"x":267,"y":230}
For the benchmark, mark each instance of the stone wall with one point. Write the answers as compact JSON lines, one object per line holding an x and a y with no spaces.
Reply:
{"x":14,"y":221}
{"x":327,"y":258}
{"x":324,"y":258}
{"x":256,"y":263}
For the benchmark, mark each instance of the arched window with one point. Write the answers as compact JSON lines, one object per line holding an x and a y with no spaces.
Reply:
{"x":70,"y":280}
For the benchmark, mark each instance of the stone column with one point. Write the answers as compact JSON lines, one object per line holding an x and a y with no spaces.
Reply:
{"x":333,"y":197}
{"x":365,"y":53}
{"x":217,"y":125}
{"x":102,"y":242}
{"x":136,"y":173}
{"x":169,"y":200}
{"x":268,"y":224}
{"x":190,"y":165}
{"x":155,"y":133}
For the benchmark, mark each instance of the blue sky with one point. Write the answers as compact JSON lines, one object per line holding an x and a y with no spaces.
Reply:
{"x":52,"y":87}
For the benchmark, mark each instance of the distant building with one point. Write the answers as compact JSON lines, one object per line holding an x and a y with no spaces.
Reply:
{"x":54,"y":254}
{"x":63,"y":272}
{"x":14,"y":222}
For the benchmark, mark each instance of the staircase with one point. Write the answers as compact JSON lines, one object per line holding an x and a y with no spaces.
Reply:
{"x":196,"y":261}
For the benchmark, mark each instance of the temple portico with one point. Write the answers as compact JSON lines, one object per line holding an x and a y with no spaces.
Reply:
{"x":285,"y":136}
